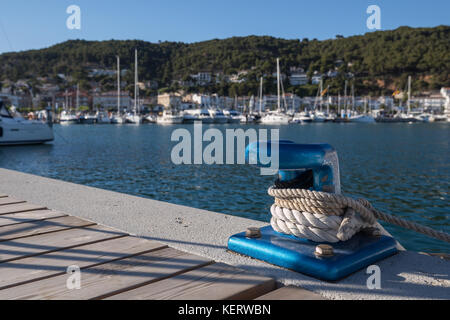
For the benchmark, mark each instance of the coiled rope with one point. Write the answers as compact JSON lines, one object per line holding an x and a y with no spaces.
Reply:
{"x":327,"y":217}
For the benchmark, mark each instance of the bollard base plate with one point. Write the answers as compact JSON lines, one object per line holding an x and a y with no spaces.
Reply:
{"x":299,"y":254}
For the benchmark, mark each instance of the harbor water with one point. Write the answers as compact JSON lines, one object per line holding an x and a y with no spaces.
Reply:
{"x":403,"y":169}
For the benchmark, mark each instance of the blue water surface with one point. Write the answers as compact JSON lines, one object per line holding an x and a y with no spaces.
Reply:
{"x":403,"y":169}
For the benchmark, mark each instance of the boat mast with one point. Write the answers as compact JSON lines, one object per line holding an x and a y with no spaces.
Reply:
{"x":67,"y":101}
{"x":409,"y":95}
{"x":339,"y":104}
{"x":321,"y":95}
{"x":135,"y":81}
{"x":78,"y":97}
{"x":328,"y":100}
{"x":345,"y":98}
{"x":260,"y":95}
{"x":118,"y":85}
{"x":278,"y":85}
{"x":353,"y":97}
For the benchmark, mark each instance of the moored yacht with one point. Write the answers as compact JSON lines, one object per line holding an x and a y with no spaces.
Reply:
{"x":15,"y":130}
{"x":218,"y":116}
{"x":277,"y":117}
{"x":117,"y":118}
{"x":67,"y":117}
{"x":362,"y":118}
{"x":318,"y":116}
{"x":235,"y":116}
{"x":169,"y":118}
{"x":102,"y":117}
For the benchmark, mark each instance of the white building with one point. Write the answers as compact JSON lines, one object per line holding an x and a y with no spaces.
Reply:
{"x":316,"y":79}
{"x":445,"y":92}
{"x":202,"y":78}
{"x":201,"y":99}
{"x":298,"y":79}
{"x":108,"y":100}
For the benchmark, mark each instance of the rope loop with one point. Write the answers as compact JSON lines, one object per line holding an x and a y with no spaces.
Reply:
{"x":327,"y":217}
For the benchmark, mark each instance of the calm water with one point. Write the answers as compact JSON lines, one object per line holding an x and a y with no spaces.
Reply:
{"x":403,"y":169}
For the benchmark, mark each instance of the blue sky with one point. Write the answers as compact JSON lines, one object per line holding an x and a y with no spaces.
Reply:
{"x":26,"y":24}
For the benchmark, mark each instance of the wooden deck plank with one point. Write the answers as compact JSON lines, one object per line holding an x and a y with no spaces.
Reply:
{"x":291,"y":293}
{"x":38,"y":227}
{"x":56,"y":241}
{"x":22,"y":217}
{"x":19,"y":207}
{"x":9,"y":200}
{"x":49,"y":265}
{"x":111,"y":278}
{"x":214,"y":282}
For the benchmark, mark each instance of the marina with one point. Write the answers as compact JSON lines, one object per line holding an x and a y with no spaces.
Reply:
{"x":227,"y":169}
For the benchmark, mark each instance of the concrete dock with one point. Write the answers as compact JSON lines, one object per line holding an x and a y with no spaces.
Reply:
{"x":135,"y":248}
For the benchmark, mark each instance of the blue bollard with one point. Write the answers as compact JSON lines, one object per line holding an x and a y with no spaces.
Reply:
{"x":295,"y":162}
{"x":295,"y":159}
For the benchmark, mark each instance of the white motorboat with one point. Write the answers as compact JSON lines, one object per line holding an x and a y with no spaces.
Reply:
{"x":15,"y":130}
{"x":67,"y":117}
{"x":304,"y":117}
{"x":330,"y":117}
{"x":133,"y":118}
{"x":362,"y":118}
{"x":440,"y":118}
{"x":275,"y":118}
{"x":117,"y":119}
{"x":218,"y":116}
{"x":318,"y":116}
{"x":169,"y":118}
{"x":235,"y":116}
{"x":190,"y":116}
{"x":150,"y":118}
{"x":102,"y":117}
{"x":425,"y":117}
{"x":87,"y":118}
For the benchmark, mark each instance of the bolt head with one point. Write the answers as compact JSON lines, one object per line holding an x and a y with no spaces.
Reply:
{"x":253,"y":233}
{"x":324,"y":250}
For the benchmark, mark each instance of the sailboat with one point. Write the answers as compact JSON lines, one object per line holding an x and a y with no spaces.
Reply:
{"x":67,"y":117}
{"x":15,"y":130}
{"x":363,"y":118}
{"x":277,"y":117}
{"x":117,"y":117}
{"x":134,"y":117}
{"x":318,"y":115}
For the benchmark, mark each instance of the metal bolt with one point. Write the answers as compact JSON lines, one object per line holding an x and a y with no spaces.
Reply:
{"x":324,"y":250}
{"x":253,"y":233}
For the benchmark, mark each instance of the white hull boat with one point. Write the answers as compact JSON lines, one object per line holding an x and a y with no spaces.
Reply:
{"x":68,"y":118}
{"x":117,"y":119}
{"x":15,"y":130}
{"x":169,"y":118}
{"x":362,"y":118}
{"x":133,"y":119}
{"x":275,"y":118}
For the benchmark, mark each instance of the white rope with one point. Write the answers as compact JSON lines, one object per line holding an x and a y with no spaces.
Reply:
{"x":327,"y":217}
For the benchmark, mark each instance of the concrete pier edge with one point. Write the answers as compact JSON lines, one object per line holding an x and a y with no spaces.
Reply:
{"x":407,"y":275}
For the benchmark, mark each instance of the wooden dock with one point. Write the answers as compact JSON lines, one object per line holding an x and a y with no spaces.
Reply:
{"x":37,"y":245}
